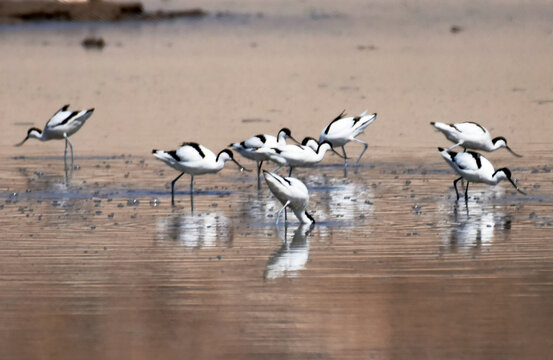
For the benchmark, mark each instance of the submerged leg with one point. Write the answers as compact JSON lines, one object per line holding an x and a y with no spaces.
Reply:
{"x":192,"y":193}
{"x":467,"y":193}
{"x":365,"y":146}
{"x":280,"y":212}
{"x":259,"y":163}
{"x":173,"y":189}
{"x":71,"y":146}
{"x":345,"y":156}
{"x":455,"y":186}
{"x":65,"y":156}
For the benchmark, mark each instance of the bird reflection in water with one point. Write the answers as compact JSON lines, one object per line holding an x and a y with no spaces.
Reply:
{"x":291,"y":256}
{"x":475,"y":231}
{"x":196,"y":231}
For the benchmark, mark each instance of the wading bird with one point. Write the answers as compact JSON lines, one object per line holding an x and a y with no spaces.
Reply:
{"x":292,"y":193}
{"x":470,"y":135}
{"x":297,"y":155}
{"x":473,"y":167}
{"x":248,"y":148}
{"x":194,"y":159}
{"x":343,"y":129}
{"x":61,"y":125}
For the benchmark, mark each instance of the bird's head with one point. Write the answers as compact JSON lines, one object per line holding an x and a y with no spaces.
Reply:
{"x":500,"y":141}
{"x":505,"y":174}
{"x":31,"y":133}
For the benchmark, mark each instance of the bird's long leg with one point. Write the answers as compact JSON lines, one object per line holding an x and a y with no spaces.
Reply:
{"x":345,"y":156}
{"x":192,"y":193}
{"x":455,"y":186}
{"x":173,"y":189}
{"x":280,"y":212}
{"x":454,"y":146}
{"x":467,"y":193}
{"x":65,"y":156}
{"x":276,"y":169}
{"x":290,"y":172}
{"x":259,"y":163}
{"x":365,"y":146}
{"x":71,"y":146}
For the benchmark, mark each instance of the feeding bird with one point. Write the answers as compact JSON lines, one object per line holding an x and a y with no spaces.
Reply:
{"x":471,"y":135}
{"x":343,"y":129}
{"x":248,"y":148}
{"x":292,"y":193}
{"x":297,"y":155}
{"x":474,"y":167}
{"x":194,"y":159}
{"x":61,"y":125}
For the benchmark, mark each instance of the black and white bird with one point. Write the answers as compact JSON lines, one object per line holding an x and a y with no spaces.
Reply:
{"x":61,"y":125}
{"x":248,"y":148}
{"x":194,"y":159}
{"x":292,"y":193}
{"x":471,"y":135}
{"x":293,"y":155}
{"x":343,"y":129}
{"x":474,"y":167}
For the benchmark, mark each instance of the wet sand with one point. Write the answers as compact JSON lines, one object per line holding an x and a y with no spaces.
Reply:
{"x":101,"y":266}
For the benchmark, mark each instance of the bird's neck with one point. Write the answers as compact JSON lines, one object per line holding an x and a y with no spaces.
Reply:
{"x":304,"y":217}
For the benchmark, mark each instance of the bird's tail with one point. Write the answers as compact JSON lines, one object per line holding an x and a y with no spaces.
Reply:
{"x":441,"y":126}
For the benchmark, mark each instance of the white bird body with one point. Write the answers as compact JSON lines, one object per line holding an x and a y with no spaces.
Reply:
{"x":296,"y":155}
{"x":343,"y":129}
{"x":249,"y":147}
{"x":474,"y":167}
{"x":61,"y":125}
{"x":194,"y":159}
{"x":471,"y":135}
{"x":292,"y":193}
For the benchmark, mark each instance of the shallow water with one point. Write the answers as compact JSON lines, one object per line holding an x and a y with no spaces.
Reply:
{"x":392,"y":269}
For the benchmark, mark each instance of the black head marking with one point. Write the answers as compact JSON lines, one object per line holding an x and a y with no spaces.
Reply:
{"x":286,"y":131}
{"x":306,"y":140}
{"x":226,"y":151}
{"x":342,"y":114}
{"x":324,"y":142}
{"x":196,"y":147}
{"x":498,"y":139}
{"x":35,"y":129}
{"x":505,"y":170}
{"x":262,"y":138}
{"x":356,"y":119}
{"x":310,"y":217}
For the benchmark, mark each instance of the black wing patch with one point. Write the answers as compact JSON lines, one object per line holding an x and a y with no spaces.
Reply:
{"x":476,"y":157}
{"x":455,"y":127}
{"x":196,"y":147}
{"x":342,"y":114}
{"x":66,"y":120}
{"x":261,"y":137}
{"x":174,"y":155}
{"x":480,"y":126}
